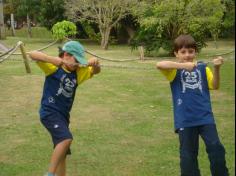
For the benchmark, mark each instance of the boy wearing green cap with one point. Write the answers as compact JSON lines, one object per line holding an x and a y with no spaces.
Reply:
{"x":63,"y":75}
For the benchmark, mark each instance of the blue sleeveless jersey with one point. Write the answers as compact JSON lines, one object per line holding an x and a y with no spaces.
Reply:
{"x":191,"y":98}
{"x":58,"y":93}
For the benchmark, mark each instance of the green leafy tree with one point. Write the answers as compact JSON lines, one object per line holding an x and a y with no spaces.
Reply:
{"x":51,"y":12}
{"x":161,"y":23}
{"x":228,"y":27}
{"x":63,"y":29}
{"x":90,"y":31}
{"x":9,"y":7}
{"x":106,"y":14}
{"x":209,"y":14}
{"x":28,"y":9}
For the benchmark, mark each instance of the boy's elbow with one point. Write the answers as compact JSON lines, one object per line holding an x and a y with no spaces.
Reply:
{"x":32,"y":55}
{"x":161,"y":65}
{"x":216,"y":87}
{"x":216,"y":84}
{"x":96,"y":70}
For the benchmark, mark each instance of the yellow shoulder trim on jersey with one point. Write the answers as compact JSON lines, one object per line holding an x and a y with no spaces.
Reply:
{"x":209,"y":78}
{"x":47,"y":68}
{"x":169,"y":74}
{"x":84,"y":73}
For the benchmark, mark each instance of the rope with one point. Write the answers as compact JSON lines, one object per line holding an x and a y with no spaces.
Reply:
{"x":111,"y":60}
{"x":127,"y":67}
{"x":11,"y":52}
{"x":225,"y":59}
{"x":219,"y":54}
{"x":102,"y":65}
{"x":3,"y":54}
{"x":102,"y":58}
{"x":227,"y":53}
{"x":127,"y":60}
{"x":47,"y":46}
{"x":41,"y":49}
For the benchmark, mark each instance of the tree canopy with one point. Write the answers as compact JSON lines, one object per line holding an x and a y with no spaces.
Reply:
{"x":154,"y":23}
{"x":52,"y":11}
{"x":105,"y":13}
{"x":161,"y":23}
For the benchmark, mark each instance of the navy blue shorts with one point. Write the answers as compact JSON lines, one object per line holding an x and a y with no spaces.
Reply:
{"x":58,"y":127}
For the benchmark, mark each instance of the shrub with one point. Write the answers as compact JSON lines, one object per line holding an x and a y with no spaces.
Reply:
{"x":63,"y":29}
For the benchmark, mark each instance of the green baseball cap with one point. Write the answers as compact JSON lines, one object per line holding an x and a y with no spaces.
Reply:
{"x":77,"y":50}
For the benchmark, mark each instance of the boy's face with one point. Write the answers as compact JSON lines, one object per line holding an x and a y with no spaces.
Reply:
{"x":186,"y":54}
{"x":71,"y":62}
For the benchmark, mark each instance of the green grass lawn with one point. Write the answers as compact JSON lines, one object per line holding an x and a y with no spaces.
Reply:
{"x":37,"y":32}
{"x":121,"y":120}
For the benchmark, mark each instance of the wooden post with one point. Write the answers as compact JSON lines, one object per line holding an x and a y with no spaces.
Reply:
{"x":12,"y":25}
{"x":29,"y":26}
{"x":2,"y":28}
{"x":24,"y":55}
{"x":141,"y":52}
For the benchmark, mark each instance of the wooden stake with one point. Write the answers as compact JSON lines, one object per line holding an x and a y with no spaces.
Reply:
{"x":24,"y":55}
{"x":12,"y":25}
{"x":2,"y":28}
{"x":141,"y":52}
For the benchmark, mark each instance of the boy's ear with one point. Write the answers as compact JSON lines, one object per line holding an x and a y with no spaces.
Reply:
{"x":66,"y":54}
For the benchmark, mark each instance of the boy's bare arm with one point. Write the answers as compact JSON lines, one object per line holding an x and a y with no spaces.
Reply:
{"x":39,"y":56}
{"x":166,"y":65}
{"x":216,"y":74}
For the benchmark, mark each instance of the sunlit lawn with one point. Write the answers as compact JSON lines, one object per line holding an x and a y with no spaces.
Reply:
{"x":121,"y":120}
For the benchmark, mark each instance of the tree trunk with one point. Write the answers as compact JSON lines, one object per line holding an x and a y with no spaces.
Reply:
{"x":130,"y":32}
{"x":29,"y":26}
{"x":215,"y":40}
{"x":105,"y":37}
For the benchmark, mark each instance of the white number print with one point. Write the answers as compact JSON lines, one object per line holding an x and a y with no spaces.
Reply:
{"x":66,"y":87}
{"x":191,"y":77}
{"x":191,"y":80}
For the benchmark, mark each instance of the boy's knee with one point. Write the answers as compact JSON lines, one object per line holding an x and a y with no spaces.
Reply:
{"x":68,"y":141}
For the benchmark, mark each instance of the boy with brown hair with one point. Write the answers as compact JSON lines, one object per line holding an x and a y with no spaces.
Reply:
{"x":190,"y":82}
